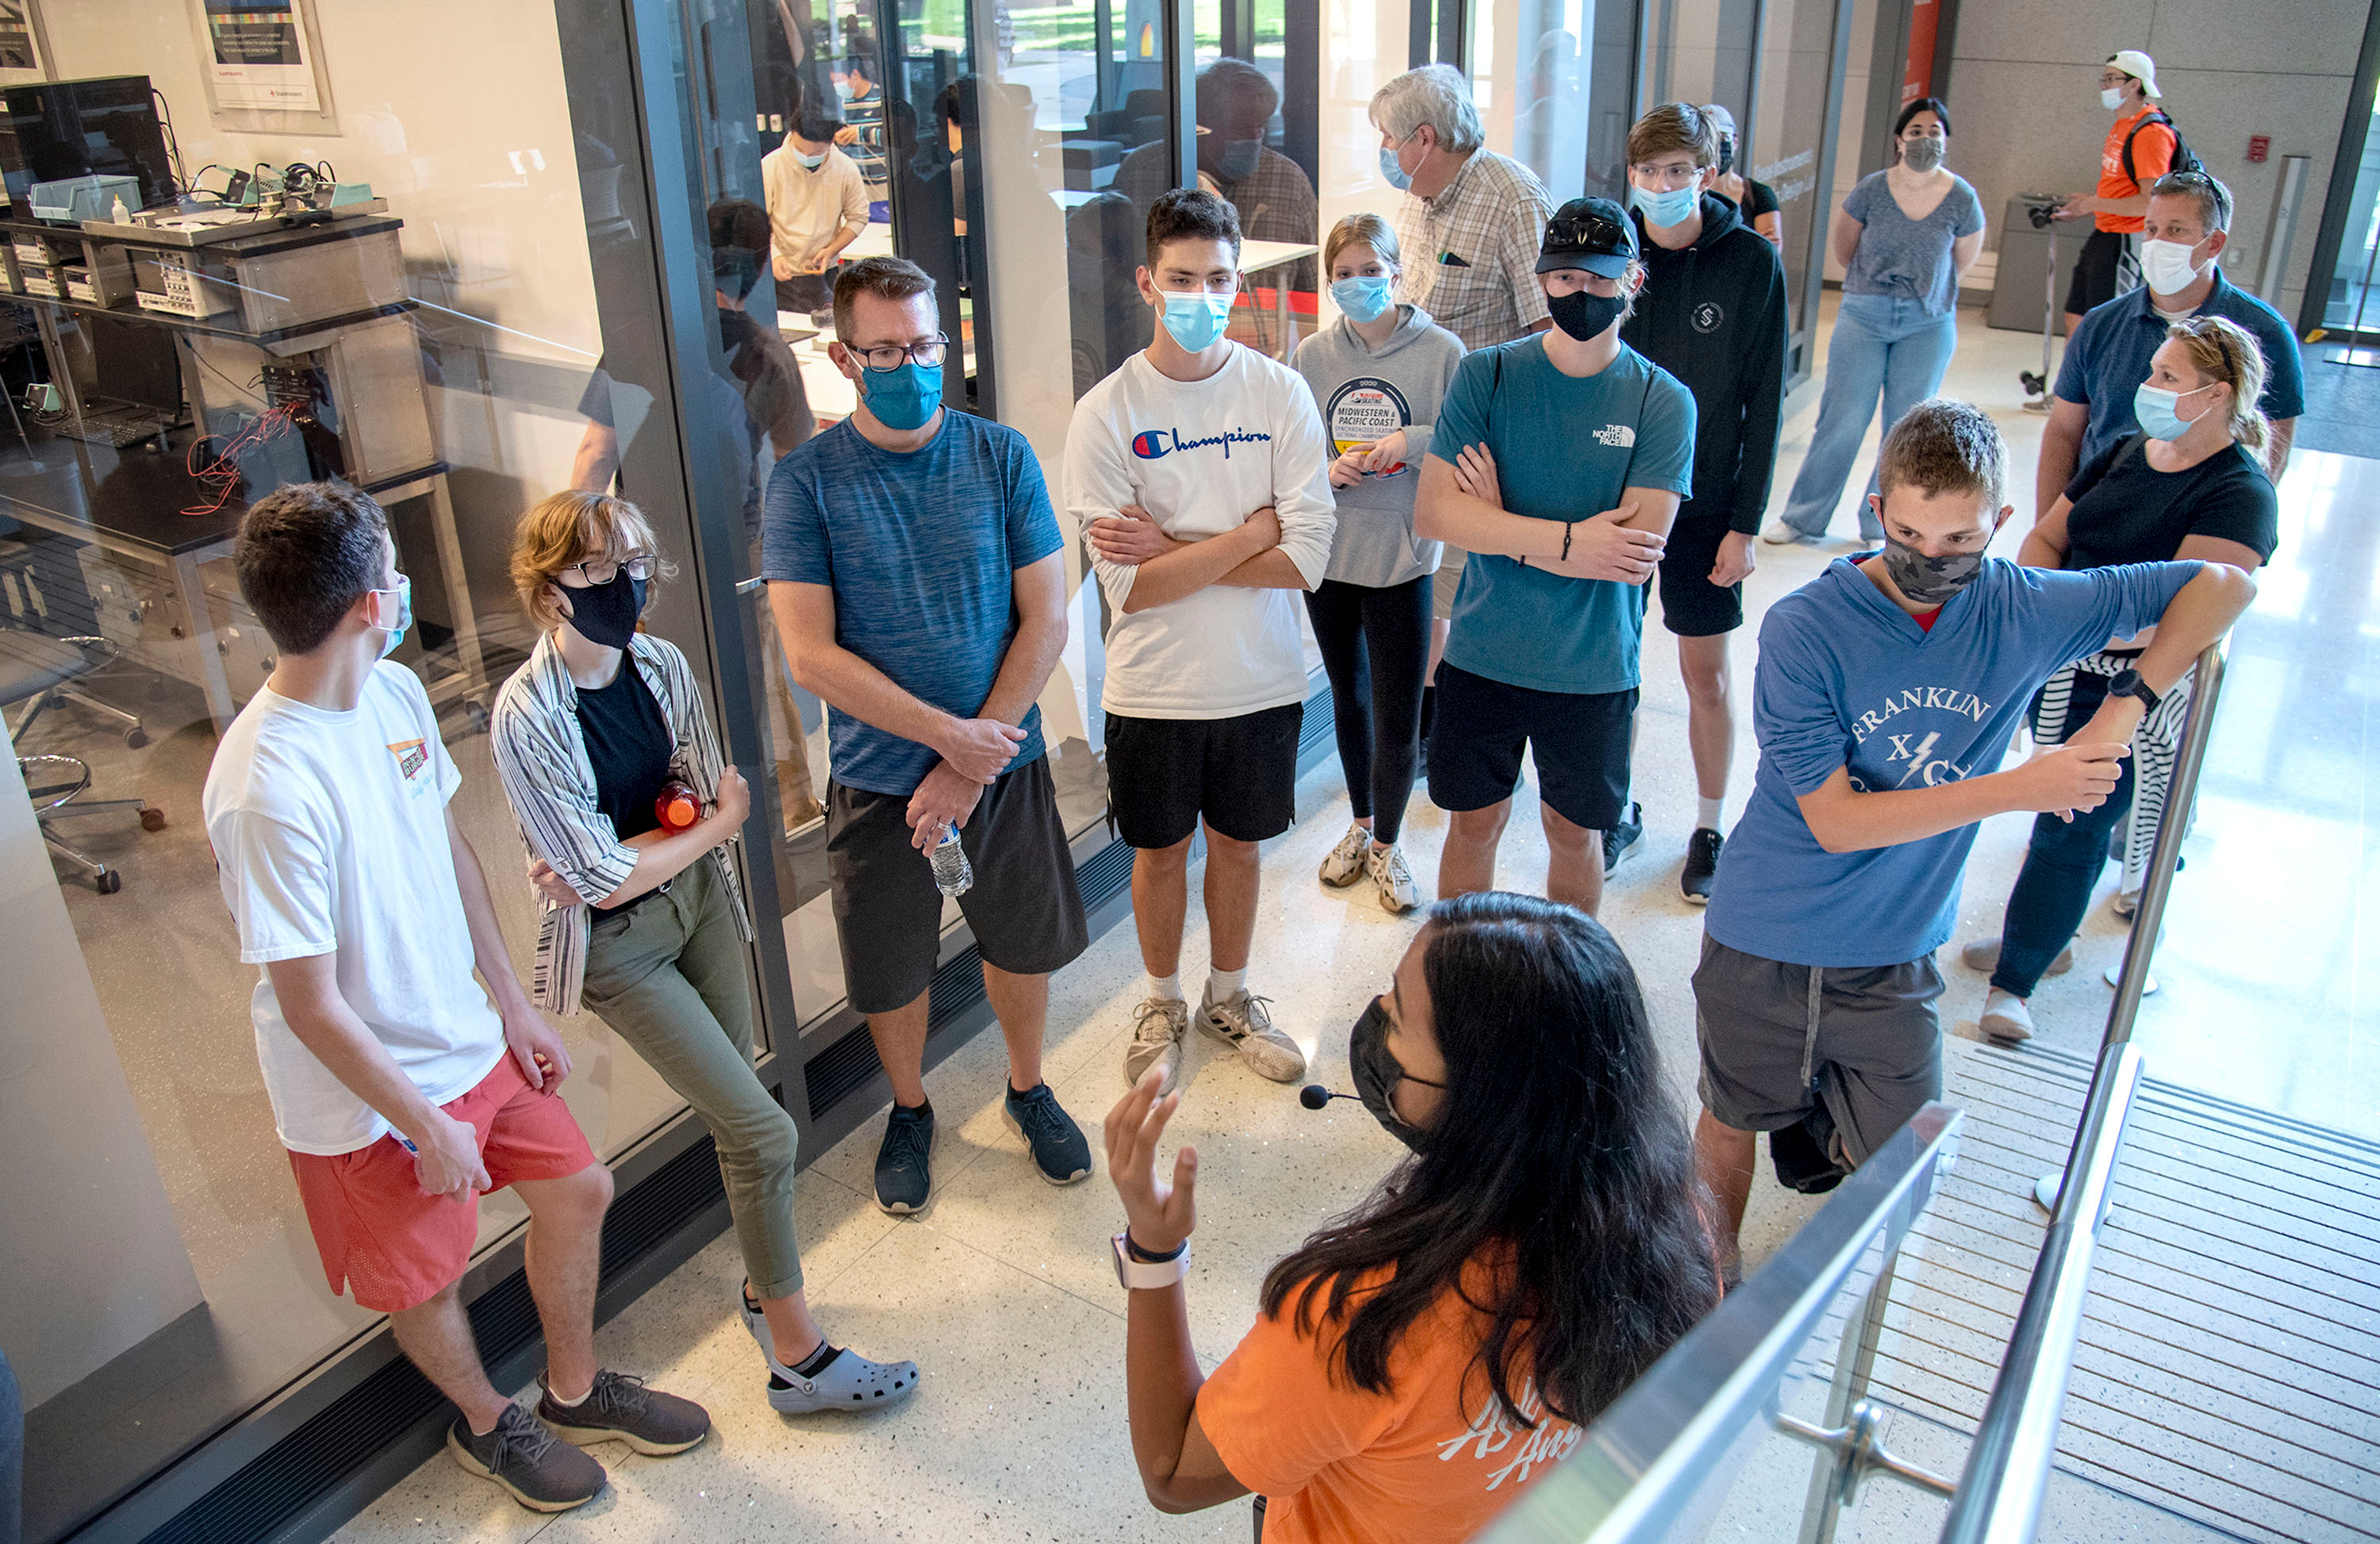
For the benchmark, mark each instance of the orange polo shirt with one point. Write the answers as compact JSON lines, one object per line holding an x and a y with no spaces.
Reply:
{"x":2151,"y":158}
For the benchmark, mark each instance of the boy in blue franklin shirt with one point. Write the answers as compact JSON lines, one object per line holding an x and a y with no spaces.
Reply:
{"x":1886,"y":695}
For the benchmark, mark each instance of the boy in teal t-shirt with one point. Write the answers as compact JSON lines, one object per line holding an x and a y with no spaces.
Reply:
{"x":1558,"y":462}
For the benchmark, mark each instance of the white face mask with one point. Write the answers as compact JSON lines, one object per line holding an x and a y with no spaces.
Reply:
{"x":2112,"y":98}
{"x":2170,"y":268}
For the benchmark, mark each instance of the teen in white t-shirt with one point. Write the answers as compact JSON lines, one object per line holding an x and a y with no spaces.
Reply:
{"x":402,"y":1089}
{"x":1201,"y":477}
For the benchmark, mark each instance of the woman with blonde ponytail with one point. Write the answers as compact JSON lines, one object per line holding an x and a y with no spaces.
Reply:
{"x":2191,"y":483}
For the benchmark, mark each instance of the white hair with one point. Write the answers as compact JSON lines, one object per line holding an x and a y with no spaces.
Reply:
{"x":1437,"y":96}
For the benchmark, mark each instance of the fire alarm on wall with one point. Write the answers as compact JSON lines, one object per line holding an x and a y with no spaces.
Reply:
{"x":2258,"y":146}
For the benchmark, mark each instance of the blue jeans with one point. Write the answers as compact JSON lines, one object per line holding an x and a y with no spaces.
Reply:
{"x":1882,"y":344}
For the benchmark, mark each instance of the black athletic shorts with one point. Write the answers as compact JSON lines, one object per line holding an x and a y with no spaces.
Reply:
{"x":1690,"y":605}
{"x":1023,"y":910}
{"x":1580,"y":741}
{"x":1240,"y":773}
{"x":2096,"y":270}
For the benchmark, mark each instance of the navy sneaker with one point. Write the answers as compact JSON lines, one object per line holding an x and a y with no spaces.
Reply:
{"x":1059,"y":1149}
{"x":904,"y":1164}
{"x":1622,"y":839}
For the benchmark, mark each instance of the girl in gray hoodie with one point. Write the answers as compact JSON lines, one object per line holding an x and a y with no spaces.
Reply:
{"x":1378,"y":372}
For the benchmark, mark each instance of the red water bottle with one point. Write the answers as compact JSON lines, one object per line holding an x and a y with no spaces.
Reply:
{"x":677,"y":807}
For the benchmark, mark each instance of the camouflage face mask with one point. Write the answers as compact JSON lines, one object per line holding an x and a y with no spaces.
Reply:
{"x":1929,"y":581}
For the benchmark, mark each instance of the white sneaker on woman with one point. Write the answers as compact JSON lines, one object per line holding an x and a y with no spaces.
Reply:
{"x":1394,"y":881}
{"x":1344,"y":865}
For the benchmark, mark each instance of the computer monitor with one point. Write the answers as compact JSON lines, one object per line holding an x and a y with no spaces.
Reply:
{"x":69,"y":128}
{"x":132,"y":363}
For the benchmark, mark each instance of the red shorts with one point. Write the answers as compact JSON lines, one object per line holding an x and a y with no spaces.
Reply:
{"x":398,"y":1247}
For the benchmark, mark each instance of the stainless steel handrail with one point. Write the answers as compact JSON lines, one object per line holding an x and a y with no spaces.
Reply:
{"x":1659,"y":1445}
{"x":1999,"y":1494}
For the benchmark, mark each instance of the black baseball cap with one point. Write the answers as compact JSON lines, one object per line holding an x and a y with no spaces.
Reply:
{"x":1593,"y":233}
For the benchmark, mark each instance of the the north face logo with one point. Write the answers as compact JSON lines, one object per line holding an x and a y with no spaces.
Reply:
{"x":1618,"y":436}
{"x":1708,"y":317}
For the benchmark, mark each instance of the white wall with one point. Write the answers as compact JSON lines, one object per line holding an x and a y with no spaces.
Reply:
{"x":95,"y":1263}
{"x":2024,"y":89}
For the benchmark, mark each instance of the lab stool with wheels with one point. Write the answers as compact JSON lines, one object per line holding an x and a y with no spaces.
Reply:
{"x":34,"y":670}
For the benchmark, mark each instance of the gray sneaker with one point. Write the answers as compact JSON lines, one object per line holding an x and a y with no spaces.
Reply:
{"x":620,"y":1408}
{"x":1984,"y":954}
{"x":1157,"y":1028}
{"x":543,"y":1472}
{"x":1243,"y":1023}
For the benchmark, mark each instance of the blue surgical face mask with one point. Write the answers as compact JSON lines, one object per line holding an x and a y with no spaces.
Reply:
{"x":904,"y":397}
{"x":1363,"y":296}
{"x":1669,"y":208}
{"x":810,"y":163}
{"x":1196,"y":319}
{"x":404,"y":617}
{"x":1398,"y":178}
{"x":2153,"y":405}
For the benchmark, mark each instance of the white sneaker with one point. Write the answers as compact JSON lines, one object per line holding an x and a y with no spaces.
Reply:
{"x":2125,"y":903}
{"x":2115,"y":977}
{"x":1242,"y":1022}
{"x":1395,"y":881}
{"x":1345,"y":864}
{"x":2006,"y":1018}
{"x":1779,"y":534}
{"x":1156,"y":1029}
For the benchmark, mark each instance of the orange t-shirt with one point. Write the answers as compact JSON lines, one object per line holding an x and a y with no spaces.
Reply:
{"x":2151,"y":158}
{"x":1340,"y":1465}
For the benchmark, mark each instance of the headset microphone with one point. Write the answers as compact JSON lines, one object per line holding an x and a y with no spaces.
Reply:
{"x":1314,"y":1096}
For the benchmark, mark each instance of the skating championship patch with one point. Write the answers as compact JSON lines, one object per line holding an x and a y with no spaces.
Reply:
{"x":1363,"y":410}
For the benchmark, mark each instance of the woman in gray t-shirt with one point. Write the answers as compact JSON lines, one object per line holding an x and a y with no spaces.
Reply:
{"x":1904,"y":236}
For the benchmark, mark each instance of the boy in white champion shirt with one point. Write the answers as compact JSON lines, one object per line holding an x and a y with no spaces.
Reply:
{"x":1200,"y":474}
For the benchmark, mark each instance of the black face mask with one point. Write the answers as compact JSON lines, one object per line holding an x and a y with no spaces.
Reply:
{"x":1726,"y":156}
{"x":1377,"y":1074}
{"x":606,"y":614}
{"x":1584,"y":316}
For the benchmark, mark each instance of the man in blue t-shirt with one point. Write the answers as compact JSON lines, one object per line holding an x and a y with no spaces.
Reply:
{"x":1887,"y":693}
{"x":1558,"y":462}
{"x":2182,"y":235}
{"x":917,"y":577}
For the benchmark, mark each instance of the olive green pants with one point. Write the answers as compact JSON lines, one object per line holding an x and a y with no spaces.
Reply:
{"x":669,"y":976}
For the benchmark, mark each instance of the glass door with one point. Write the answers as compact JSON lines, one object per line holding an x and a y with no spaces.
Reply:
{"x":1793,"y":126}
{"x":2351,"y":302}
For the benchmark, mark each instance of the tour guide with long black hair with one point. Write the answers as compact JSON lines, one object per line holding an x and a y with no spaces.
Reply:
{"x":1421,"y":1362}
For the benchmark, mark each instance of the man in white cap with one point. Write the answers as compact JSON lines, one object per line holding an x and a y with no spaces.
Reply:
{"x":2141,"y":148}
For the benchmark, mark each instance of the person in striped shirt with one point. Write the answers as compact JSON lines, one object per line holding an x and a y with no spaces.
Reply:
{"x":629,"y":816}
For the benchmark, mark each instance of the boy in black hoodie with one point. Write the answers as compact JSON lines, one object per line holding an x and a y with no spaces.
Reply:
{"x":1712,"y":313}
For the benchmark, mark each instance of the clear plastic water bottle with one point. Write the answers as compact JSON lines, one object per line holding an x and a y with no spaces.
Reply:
{"x":953,"y":876}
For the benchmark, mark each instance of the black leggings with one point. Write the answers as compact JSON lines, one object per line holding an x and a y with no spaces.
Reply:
{"x":1376,"y":648}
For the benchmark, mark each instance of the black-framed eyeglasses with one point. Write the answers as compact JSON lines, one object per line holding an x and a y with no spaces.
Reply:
{"x":603,"y":570}
{"x":1593,"y":233}
{"x":927,"y":353}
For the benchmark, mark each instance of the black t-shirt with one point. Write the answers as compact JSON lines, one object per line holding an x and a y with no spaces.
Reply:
{"x":628,"y":743}
{"x":2127,"y":511}
{"x":1759,"y":199}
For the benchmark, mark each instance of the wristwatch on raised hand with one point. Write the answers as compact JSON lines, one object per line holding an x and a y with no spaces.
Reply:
{"x":2128,"y":683}
{"x":1135,"y":1270}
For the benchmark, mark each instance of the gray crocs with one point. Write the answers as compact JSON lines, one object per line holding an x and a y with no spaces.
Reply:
{"x":849,"y":1382}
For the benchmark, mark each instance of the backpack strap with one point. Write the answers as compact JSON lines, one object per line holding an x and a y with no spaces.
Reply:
{"x":2155,"y":115}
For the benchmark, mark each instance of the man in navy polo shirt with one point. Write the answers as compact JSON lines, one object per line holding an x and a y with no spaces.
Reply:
{"x":2188,"y":223}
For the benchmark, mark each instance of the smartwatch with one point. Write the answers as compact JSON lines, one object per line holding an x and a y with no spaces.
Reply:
{"x":2128,"y":683}
{"x":1136,"y":1275}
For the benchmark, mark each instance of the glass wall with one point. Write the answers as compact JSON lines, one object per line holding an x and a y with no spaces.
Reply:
{"x":1553,"y":83}
{"x":1794,"y":128}
{"x":430,"y":275}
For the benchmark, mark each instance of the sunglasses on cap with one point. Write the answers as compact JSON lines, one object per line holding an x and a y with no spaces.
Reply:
{"x":1589,"y":232}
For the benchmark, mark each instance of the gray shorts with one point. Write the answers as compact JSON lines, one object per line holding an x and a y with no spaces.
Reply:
{"x":1445,"y":582}
{"x":1779,"y":1039}
{"x":1024,"y":909}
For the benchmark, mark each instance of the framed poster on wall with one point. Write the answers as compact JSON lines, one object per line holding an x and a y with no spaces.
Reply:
{"x":20,"y":43}
{"x":262,"y":61}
